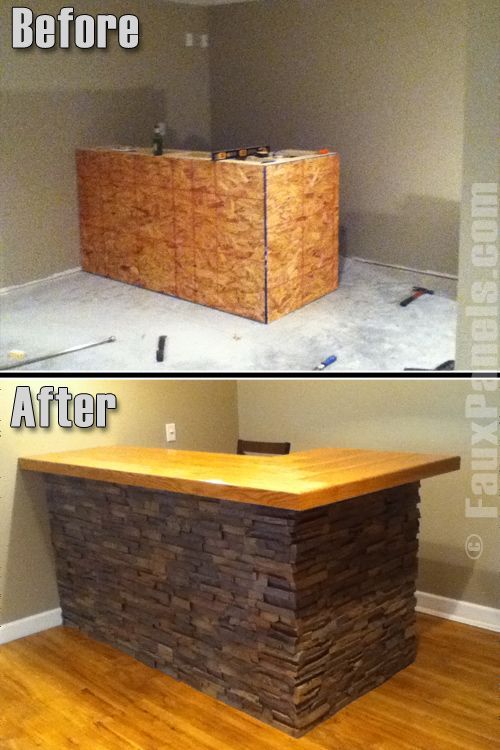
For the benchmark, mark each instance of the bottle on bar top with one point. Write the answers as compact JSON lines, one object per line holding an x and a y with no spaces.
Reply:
{"x":157,"y":142}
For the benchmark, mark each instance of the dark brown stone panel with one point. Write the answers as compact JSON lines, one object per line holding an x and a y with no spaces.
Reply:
{"x":287,"y":615}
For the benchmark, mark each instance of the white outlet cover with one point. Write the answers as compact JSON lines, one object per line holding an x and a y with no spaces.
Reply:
{"x":170,"y":433}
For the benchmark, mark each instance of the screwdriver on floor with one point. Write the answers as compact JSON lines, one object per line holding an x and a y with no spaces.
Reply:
{"x":326,"y":363}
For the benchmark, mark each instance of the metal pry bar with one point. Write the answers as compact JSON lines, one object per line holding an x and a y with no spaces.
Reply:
{"x":109,"y":340}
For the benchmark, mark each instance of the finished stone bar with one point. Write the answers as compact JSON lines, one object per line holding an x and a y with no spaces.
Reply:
{"x":255,"y":239}
{"x":287,"y":613}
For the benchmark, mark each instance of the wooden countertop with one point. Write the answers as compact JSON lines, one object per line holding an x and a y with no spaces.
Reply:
{"x":299,"y":481}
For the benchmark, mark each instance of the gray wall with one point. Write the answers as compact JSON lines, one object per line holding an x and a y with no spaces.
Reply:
{"x":482,"y":118}
{"x":55,"y":100}
{"x":381,"y":82}
{"x":407,"y":415}
{"x":424,"y":416}
{"x":205,"y":414}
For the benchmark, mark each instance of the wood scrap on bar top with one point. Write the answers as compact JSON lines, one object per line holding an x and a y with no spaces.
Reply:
{"x":300,"y":481}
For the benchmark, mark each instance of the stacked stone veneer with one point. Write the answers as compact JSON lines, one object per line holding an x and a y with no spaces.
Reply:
{"x":287,"y":615}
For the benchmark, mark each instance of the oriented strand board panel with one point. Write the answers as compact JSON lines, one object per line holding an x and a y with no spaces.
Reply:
{"x":302,"y":233}
{"x":250,"y":239}
{"x":299,"y":481}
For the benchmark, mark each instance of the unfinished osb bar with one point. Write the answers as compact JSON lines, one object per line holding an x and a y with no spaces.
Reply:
{"x":287,"y":615}
{"x":253,"y":240}
{"x":302,"y":233}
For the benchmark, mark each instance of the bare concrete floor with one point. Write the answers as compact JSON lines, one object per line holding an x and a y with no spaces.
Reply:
{"x":362,"y":324}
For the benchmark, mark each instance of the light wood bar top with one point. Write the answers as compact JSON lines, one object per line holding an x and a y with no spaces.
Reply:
{"x":299,"y":481}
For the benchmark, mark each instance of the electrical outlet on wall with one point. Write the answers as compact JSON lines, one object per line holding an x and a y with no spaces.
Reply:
{"x":189,"y":39}
{"x":170,"y":433}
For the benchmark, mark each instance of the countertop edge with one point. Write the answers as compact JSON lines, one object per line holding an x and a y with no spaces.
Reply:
{"x":304,"y":501}
{"x":200,"y":488}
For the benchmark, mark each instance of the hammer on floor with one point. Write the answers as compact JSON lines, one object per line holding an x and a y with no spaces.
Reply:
{"x":418,"y":291}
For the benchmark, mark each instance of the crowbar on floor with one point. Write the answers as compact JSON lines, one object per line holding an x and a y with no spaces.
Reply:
{"x":24,"y":362}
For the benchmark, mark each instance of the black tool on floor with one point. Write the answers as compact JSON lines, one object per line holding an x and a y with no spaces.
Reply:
{"x":160,"y":352}
{"x":418,"y":291}
{"x":24,"y":362}
{"x":448,"y":366}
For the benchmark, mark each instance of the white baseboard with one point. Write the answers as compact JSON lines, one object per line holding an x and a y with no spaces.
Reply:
{"x":11,"y":631}
{"x":6,"y":289}
{"x":468,"y":613}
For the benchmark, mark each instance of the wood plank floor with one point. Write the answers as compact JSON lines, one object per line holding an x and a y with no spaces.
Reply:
{"x":59,"y":690}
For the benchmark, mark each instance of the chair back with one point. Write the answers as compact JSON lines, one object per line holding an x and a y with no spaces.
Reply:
{"x":271,"y":449}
